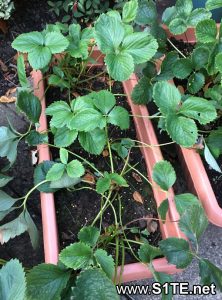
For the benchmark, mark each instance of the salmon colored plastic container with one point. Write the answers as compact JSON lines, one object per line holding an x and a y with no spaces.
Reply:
{"x":195,"y":171}
{"x":145,"y":134}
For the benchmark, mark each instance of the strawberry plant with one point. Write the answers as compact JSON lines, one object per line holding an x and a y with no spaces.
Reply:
{"x":6,"y":8}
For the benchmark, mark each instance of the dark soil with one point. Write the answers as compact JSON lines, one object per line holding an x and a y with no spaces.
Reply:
{"x":79,"y":208}
{"x":28,"y":16}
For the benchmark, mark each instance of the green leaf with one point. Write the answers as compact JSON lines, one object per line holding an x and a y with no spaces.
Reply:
{"x":147,"y":253}
{"x":193,"y":223}
{"x":168,"y":15}
{"x":119,"y":116}
{"x":4,"y":180}
{"x":130,"y":11}
{"x":12,"y":281}
{"x":182,"y":130}
{"x":167,"y":66}
{"x":195,"y":83}
{"x":40,"y":175}
{"x":182,"y":68}
{"x":163,"y":209}
{"x":94,"y":284}
{"x":211,"y":160}
{"x":28,"y":42}
{"x":56,"y":107}
{"x":177,"y":252}
{"x":200,"y":57}
{"x":199,"y":109}
{"x":93,"y":141}
{"x":103,"y":184}
{"x":118,"y":179}
{"x":142,"y":92}
{"x":89,"y":235}
{"x":35,"y":138}
{"x":197,"y":15}
{"x":21,"y":71}
{"x":6,"y":201}
{"x":206,"y":31}
{"x":64,"y":137}
{"x":40,"y":57}
{"x":178,"y":26}
{"x":214,"y":142}
{"x":64,"y":182}
{"x":56,"y":42}
{"x":75,"y":169}
{"x":55,"y":172}
{"x":184,"y":7}
{"x":218,"y":62}
{"x":103,"y":100}
{"x":46,"y":281}
{"x":8,"y":144}
{"x":32,"y":230}
{"x":29,"y":105}
{"x":164,"y":175}
{"x":64,"y":155}
{"x":150,"y":70}
{"x":163,"y":278}
{"x":106,"y":262}
{"x":210,"y":273}
{"x":146,"y":13}
{"x":120,"y":66}
{"x":141,"y":46}
{"x":109,"y":33}
{"x":213,"y":4}
{"x":123,"y":147}
{"x":166,"y":96}
{"x":86,"y":120}
{"x":77,"y":256}
{"x":185,"y":201}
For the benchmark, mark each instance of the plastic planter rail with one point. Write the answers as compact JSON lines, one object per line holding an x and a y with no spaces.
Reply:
{"x":146,"y":134}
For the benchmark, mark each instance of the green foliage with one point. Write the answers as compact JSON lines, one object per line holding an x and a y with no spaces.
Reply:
{"x":164,"y":175}
{"x":104,"y":183}
{"x":6,"y":8}
{"x":29,"y":105}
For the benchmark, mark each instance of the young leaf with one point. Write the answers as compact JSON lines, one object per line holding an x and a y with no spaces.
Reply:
{"x":182,"y":130}
{"x":103,"y":184}
{"x":130,"y":11}
{"x":118,"y":179}
{"x":40,"y":174}
{"x":21,"y":71}
{"x":206,"y":31}
{"x":89,"y":235}
{"x":119,"y":116}
{"x":64,"y":137}
{"x":35,"y":138}
{"x":77,"y":256}
{"x":211,"y":160}
{"x":46,"y":281}
{"x":182,"y":68}
{"x":164,"y":175}
{"x":142,"y":92}
{"x":12,"y":281}
{"x":166,"y":96}
{"x":29,"y":105}
{"x":64,"y":155}
{"x":199,"y":109}
{"x":75,"y":169}
{"x":93,"y":141}
{"x":94,"y":284}
{"x":55,"y":172}
{"x":209,"y":274}
{"x":105,"y":261}
{"x":177,"y":252}
{"x":193,"y":223}
{"x":147,"y":253}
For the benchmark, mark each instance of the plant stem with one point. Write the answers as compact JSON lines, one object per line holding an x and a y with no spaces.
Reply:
{"x":137,"y":171}
{"x":176,"y":48}
{"x":90,"y":78}
{"x":110,"y":151}
{"x":31,"y":191}
{"x":148,"y":117}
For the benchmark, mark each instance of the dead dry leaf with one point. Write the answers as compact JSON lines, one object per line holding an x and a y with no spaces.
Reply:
{"x":3,"y":66}
{"x":5,"y":99}
{"x":152,"y":225}
{"x":89,"y":178}
{"x":136,"y":177}
{"x":105,"y":153}
{"x":138,"y":197}
{"x":75,"y":94}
